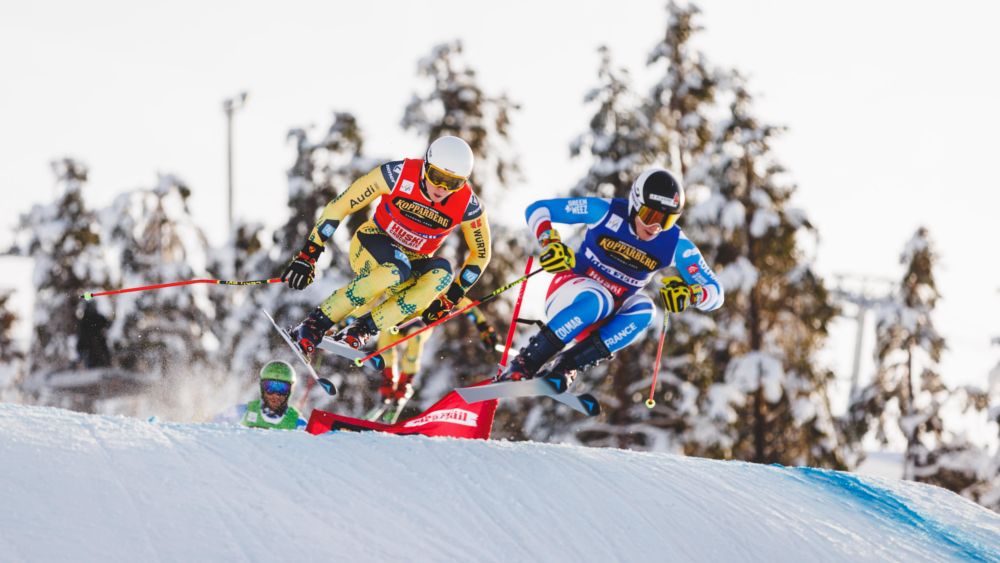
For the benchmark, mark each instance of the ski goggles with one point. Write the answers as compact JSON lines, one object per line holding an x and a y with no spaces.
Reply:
{"x":271,"y":386}
{"x":443,"y":180}
{"x":650,"y":217}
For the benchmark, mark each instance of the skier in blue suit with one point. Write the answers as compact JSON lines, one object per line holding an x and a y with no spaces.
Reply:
{"x":595,"y":297}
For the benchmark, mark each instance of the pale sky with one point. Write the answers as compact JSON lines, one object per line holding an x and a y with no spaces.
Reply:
{"x":891,"y":108}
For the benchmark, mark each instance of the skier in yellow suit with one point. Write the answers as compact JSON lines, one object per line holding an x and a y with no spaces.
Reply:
{"x":422,"y":201}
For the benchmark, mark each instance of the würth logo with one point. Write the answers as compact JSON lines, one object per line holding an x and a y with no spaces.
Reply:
{"x":451,"y":416}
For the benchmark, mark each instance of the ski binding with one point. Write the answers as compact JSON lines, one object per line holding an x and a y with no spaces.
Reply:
{"x":343,"y":350}
{"x":552,"y":386}
{"x":325,"y":383}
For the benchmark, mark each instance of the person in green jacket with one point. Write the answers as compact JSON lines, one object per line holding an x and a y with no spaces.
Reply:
{"x":277,"y":381}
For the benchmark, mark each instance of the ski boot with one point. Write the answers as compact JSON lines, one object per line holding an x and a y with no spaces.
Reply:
{"x":588,"y":353}
{"x":395,"y":390}
{"x":404,"y":387}
{"x":539,"y":350}
{"x":357,"y":334}
{"x":309,"y":333}
{"x":386,"y":390}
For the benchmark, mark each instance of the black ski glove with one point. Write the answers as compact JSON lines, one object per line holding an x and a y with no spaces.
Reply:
{"x":440,"y":307}
{"x":301,"y":272}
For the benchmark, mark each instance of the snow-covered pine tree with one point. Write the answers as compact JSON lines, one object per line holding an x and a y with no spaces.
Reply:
{"x":679,"y":102}
{"x":458,"y":106}
{"x":160,"y":333}
{"x":759,"y":394}
{"x":627,"y":135}
{"x":620,"y":140}
{"x":907,"y":392}
{"x":11,"y":356}
{"x":243,"y":257}
{"x":64,"y":240}
{"x":989,"y":489}
{"x":322,"y":169}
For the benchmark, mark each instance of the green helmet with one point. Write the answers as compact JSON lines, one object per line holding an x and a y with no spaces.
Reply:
{"x":278,"y":371}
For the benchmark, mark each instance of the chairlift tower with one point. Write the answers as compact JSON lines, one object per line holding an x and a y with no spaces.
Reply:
{"x":230,"y":106}
{"x":865,"y":298}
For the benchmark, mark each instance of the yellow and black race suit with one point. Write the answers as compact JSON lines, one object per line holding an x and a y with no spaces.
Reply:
{"x":393,"y":252}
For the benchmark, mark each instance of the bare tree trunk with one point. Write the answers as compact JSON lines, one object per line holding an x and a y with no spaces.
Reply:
{"x":759,"y":407}
{"x":910,"y":459}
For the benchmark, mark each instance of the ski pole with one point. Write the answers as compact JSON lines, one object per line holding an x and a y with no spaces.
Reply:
{"x":302,"y":403}
{"x":513,"y":320}
{"x":650,"y":403}
{"x":359,"y":361}
{"x":89,"y":296}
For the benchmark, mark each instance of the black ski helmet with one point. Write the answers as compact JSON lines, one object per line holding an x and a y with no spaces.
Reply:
{"x":657,"y":196}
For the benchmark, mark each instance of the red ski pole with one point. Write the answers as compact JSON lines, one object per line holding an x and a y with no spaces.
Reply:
{"x":513,"y":320}
{"x":89,"y":296}
{"x":360,"y":361}
{"x":650,"y":403}
{"x":302,"y":403}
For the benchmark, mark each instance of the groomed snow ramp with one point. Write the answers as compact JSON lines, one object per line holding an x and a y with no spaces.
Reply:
{"x":104,"y":489}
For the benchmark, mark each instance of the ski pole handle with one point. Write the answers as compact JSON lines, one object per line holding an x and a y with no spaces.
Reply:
{"x":650,"y":403}
{"x":359,"y":361}
{"x":89,"y":296}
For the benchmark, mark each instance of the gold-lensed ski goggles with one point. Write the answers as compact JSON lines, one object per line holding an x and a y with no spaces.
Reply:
{"x":650,"y":217}
{"x":442,"y":179}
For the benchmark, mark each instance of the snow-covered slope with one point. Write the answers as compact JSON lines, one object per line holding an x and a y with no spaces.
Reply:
{"x":89,"y":488}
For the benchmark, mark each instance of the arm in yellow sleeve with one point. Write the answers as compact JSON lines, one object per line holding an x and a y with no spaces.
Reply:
{"x":363,"y":191}
{"x":477,"y":236}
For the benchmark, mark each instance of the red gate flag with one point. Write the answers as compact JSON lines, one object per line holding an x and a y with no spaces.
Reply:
{"x":451,"y":417}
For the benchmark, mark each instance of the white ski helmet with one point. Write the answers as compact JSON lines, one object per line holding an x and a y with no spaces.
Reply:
{"x":448,"y":163}
{"x":657,"y":197}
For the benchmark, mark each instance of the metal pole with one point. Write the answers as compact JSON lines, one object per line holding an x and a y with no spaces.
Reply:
{"x":229,"y":147}
{"x":859,"y":339}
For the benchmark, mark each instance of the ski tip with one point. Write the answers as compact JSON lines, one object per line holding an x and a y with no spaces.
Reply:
{"x":591,"y":404}
{"x":558,"y":382}
{"x":328,"y":386}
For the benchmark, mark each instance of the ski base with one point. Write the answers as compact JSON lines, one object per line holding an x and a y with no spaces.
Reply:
{"x":328,"y":344}
{"x":325,"y":383}
{"x":551,"y":386}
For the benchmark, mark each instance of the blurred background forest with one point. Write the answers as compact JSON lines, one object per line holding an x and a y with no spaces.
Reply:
{"x":746,"y":382}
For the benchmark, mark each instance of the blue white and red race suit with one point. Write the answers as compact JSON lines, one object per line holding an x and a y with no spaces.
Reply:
{"x":612,"y":265}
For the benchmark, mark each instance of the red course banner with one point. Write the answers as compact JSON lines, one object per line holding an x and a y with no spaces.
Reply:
{"x":451,"y":417}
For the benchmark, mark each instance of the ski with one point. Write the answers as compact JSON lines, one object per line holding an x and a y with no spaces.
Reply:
{"x":391,"y":416}
{"x":343,"y":350}
{"x":326,"y":384}
{"x":376,"y":412}
{"x":554,"y":386}
{"x":394,"y":415}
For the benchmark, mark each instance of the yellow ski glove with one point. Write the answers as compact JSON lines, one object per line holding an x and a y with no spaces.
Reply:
{"x":678,"y":295}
